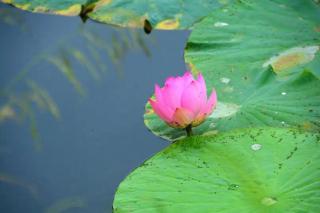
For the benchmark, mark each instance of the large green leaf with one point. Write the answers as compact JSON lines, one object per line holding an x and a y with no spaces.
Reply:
{"x":164,"y":14}
{"x":244,"y":38}
{"x":234,"y":48}
{"x":252,"y":170}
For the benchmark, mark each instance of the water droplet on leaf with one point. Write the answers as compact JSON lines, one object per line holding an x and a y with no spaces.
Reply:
{"x":220,"y":24}
{"x":225,"y":80}
{"x":268,"y":201}
{"x":256,"y":147}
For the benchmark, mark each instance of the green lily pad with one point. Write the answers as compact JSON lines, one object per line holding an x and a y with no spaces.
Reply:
{"x":244,"y":38}
{"x":164,"y":14}
{"x":262,"y":57}
{"x":249,"y":170}
{"x":60,"y":7}
{"x":266,"y":101}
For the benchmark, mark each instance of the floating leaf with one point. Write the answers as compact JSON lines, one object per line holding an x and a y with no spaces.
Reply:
{"x":249,"y":170}
{"x":165,"y":14}
{"x":60,"y":7}
{"x":262,"y":66}
{"x":281,"y":35}
{"x":267,"y":101}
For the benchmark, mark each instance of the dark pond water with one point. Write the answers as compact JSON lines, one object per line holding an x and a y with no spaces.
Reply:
{"x":71,"y":106}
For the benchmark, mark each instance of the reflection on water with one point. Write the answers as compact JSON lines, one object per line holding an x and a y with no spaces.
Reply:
{"x":19,"y":107}
{"x":9,"y":179}
{"x":65,"y":204}
{"x":6,"y":113}
{"x":65,"y":55}
{"x":12,"y":18}
{"x":72,"y":97}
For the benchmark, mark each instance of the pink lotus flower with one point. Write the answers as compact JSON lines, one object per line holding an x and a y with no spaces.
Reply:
{"x":182,"y":102}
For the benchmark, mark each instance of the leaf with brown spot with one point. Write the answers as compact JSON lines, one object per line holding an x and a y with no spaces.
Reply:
{"x":164,"y":14}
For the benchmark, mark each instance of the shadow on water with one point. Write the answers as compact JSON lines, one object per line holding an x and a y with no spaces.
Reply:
{"x":77,"y":91}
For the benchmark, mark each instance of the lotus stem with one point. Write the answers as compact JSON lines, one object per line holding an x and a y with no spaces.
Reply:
{"x":189,"y":130}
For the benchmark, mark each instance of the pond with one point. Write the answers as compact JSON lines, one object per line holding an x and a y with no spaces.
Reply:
{"x":80,"y":133}
{"x":72,"y":104}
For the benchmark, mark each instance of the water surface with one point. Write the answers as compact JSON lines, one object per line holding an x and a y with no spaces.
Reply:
{"x":71,"y":106}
